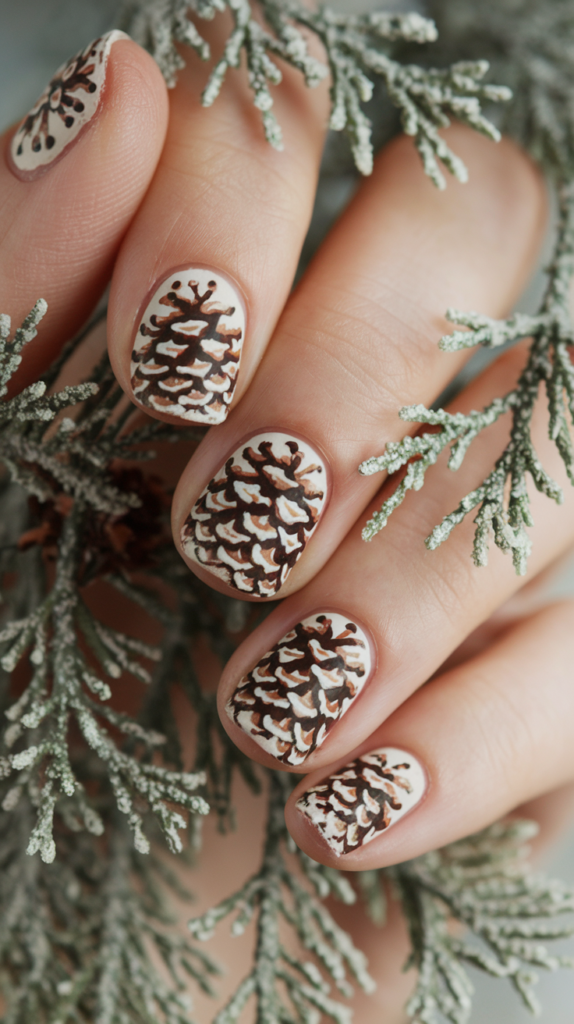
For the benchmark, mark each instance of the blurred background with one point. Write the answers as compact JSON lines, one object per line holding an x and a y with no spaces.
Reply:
{"x":35,"y":37}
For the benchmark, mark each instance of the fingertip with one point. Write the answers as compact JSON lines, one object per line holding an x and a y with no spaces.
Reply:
{"x":77,"y":168}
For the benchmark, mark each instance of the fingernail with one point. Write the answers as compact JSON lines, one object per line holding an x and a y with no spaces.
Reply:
{"x":252,"y":523}
{"x":187,"y":351}
{"x":366,"y":797}
{"x":66,"y":106}
{"x":295,"y":695}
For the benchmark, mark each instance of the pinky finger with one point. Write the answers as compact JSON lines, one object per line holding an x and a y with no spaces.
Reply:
{"x":465,"y":750}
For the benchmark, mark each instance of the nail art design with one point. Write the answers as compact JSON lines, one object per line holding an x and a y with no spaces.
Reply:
{"x":294,"y":696}
{"x":252,"y":522}
{"x":361,"y":800}
{"x":188,"y":346}
{"x":67,"y":104}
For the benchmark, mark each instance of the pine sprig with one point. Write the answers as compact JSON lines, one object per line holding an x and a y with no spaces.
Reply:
{"x":474,"y":903}
{"x":216,"y":759}
{"x":484,"y":885}
{"x":529,"y":46}
{"x":502,"y":499}
{"x":58,"y":694}
{"x":71,"y":654}
{"x":286,"y":988}
{"x":360,"y":50}
{"x":32,"y":403}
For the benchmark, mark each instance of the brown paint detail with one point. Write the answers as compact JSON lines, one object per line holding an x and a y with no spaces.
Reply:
{"x":167,"y":385}
{"x":63,"y":98}
{"x":213,"y":534}
{"x":284,"y":690}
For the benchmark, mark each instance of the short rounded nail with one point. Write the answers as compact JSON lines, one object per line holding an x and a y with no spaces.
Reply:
{"x":67,"y":105}
{"x":289,"y":702}
{"x":187,"y":350}
{"x":251,"y":524}
{"x":364,"y":798}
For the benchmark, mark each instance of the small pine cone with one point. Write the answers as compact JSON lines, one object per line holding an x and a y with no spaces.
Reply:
{"x":252,"y":522}
{"x":187,"y":351}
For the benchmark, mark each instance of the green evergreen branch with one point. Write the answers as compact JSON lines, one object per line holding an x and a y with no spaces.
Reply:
{"x":60,"y":626}
{"x":359,"y":51}
{"x":502,"y":499}
{"x":529,"y":46}
{"x":482,"y":884}
{"x":287,"y":989}
{"x":56,"y":697}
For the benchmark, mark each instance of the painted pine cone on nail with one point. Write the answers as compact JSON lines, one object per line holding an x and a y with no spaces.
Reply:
{"x":361,"y":800}
{"x":252,"y":523}
{"x":187,"y":351}
{"x":293,"y":697}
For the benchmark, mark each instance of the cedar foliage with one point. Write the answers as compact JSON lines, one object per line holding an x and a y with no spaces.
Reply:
{"x":86,"y":791}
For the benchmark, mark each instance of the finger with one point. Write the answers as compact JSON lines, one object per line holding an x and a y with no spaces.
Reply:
{"x":357,"y":341}
{"x":209,"y":261}
{"x":75,"y":170}
{"x":336,"y":659}
{"x":460,"y":754}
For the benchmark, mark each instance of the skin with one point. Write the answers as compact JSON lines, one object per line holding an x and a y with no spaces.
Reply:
{"x":61,"y":233}
{"x":364,"y":321}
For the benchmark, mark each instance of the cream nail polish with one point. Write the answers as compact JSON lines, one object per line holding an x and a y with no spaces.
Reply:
{"x":303,"y":686}
{"x":252,"y":522}
{"x":67,"y":105}
{"x":364,"y":798}
{"x":188,"y":345}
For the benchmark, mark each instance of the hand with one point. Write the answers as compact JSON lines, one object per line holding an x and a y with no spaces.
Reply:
{"x":347,"y":353}
{"x":313,"y":390}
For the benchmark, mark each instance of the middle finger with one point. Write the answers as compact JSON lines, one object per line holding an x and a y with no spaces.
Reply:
{"x":356,"y":342}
